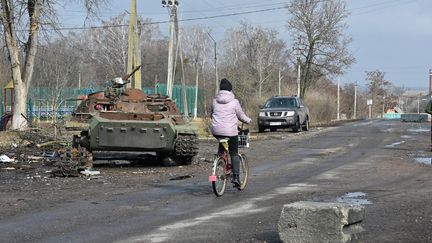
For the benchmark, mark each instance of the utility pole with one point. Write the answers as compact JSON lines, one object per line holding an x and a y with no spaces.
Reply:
{"x":215,"y":64}
{"x":430,"y":83}
{"x":338,"y":98}
{"x":280,"y":78}
{"x":298,"y":75}
{"x":155,"y":84}
{"x":172,"y":10}
{"x":369,"y":103}
{"x":298,"y":67}
{"x":134,"y":55}
{"x":184,"y":93}
{"x":355,"y":100}
{"x":79,"y":79}
{"x":418,"y":104}
{"x":196,"y":94}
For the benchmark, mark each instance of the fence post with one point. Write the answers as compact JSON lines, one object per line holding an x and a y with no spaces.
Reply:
{"x":30,"y":109}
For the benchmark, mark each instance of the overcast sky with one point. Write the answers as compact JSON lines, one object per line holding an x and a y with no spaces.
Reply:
{"x":390,"y":35}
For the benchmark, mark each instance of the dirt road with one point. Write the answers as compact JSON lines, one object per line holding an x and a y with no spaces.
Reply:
{"x":374,"y":160}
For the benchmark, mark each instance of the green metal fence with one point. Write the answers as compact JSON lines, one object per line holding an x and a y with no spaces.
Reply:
{"x":41,"y":98}
{"x":178,"y":97}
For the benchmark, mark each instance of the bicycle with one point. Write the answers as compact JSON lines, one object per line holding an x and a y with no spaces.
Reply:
{"x":222,"y":168}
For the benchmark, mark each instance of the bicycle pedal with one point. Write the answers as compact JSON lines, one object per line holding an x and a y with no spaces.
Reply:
{"x":212,"y":178}
{"x":236,"y":184}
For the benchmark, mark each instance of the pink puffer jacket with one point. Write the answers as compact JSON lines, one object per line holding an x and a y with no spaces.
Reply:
{"x":226,"y":111}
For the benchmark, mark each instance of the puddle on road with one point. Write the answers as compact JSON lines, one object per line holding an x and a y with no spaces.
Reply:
{"x":426,"y":161}
{"x":419,"y":130}
{"x":355,"y":198}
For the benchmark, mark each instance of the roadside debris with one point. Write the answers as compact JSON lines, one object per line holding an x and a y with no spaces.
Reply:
{"x":88,"y":172}
{"x":50,"y":154}
{"x":62,"y":143}
{"x":180,"y":177}
{"x":9,"y":168}
{"x":35,"y":158}
{"x":5,"y":159}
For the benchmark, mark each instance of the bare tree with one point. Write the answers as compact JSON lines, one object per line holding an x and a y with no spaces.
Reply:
{"x":347,"y":99}
{"x":196,"y":45}
{"x":57,"y":68}
{"x":318,"y":28}
{"x":110,"y":45}
{"x":254,"y":55}
{"x":378,"y":89}
{"x":4,"y":65}
{"x":23,"y":19}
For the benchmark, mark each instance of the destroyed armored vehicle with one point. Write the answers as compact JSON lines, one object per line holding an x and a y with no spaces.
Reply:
{"x":128,"y":120}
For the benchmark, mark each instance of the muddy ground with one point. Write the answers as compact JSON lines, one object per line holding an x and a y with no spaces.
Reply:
{"x":29,"y":181}
{"x":28,"y":184}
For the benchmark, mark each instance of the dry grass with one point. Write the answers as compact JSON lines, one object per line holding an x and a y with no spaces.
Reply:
{"x":9,"y":139}
{"x":322,"y":108}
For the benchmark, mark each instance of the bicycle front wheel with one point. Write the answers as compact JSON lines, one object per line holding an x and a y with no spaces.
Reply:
{"x":244,"y":171}
{"x":220,"y":182}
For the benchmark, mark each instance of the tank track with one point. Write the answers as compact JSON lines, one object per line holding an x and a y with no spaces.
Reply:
{"x":72,"y":161}
{"x":186,"y":147}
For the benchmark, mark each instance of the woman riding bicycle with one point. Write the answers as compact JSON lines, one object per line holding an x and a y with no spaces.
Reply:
{"x":226,"y":111}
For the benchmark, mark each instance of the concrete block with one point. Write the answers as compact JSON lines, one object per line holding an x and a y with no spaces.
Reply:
{"x":321,"y":222}
{"x":415,"y":117}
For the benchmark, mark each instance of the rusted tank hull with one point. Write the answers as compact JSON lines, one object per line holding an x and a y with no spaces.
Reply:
{"x":130,"y":120}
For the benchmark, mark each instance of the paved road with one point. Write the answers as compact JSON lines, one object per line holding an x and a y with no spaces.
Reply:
{"x":372,"y":157}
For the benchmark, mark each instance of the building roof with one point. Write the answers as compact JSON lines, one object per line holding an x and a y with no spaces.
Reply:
{"x":415,"y":93}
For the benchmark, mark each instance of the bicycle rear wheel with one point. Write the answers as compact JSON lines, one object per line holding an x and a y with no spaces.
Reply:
{"x":244,"y":171}
{"x":219,"y":184}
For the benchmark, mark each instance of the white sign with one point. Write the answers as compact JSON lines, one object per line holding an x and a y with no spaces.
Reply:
{"x":369,"y":101}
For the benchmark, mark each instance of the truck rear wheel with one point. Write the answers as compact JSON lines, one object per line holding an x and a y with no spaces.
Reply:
{"x":296,"y":127}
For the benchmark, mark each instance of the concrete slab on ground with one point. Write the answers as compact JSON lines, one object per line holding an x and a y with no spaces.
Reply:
{"x":306,"y":221}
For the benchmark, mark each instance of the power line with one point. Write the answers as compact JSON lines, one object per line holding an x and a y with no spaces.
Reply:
{"x":387,"y":3}
{"x":167,"y":21}
{"x":213,"y":9}
{"x":381,"y":6}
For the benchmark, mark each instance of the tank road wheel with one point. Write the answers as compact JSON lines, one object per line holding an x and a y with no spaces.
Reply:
{"x":186,"y":147}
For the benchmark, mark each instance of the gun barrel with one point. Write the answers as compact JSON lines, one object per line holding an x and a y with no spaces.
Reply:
{"x":127,"y":76}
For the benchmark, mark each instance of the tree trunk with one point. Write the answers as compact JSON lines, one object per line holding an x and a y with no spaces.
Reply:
{"x":196,"y":92}
{"x":21,"y":79}
{"x":205,"y":94}
{"x":306,"y":77}
{"x":32,"y":41}
{"x":260,"y":82}
{"x":19,"y":106}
